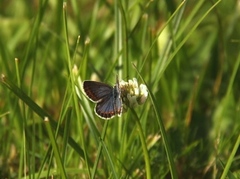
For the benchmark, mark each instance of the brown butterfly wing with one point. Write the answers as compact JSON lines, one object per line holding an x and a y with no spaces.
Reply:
{"x":96,"y":91}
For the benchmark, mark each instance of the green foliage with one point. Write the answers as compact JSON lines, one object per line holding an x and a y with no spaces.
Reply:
{"x":187,"y":53}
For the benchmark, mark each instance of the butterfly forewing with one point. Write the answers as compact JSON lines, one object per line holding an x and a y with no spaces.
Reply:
{"x":96,"y":90}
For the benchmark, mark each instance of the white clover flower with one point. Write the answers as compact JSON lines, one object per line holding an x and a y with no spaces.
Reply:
{"x":132,"y":94}
{"x":143,"y":93}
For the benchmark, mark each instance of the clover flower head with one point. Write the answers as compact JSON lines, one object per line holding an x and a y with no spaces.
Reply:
{"x":133,"y":94}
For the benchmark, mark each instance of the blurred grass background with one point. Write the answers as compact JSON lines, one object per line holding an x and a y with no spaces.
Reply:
{"x":188,"y":55}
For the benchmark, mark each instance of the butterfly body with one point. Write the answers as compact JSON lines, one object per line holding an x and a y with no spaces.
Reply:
{"x":108,"y":99}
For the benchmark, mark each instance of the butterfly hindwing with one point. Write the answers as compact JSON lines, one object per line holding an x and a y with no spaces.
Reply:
{"x":109,"y":107}
{"x":105,"y":109}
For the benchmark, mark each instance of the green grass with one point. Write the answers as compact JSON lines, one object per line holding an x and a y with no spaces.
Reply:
{"x":188,"y":55}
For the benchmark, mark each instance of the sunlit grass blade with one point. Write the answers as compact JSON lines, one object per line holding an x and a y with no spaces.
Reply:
{"x":72,"y":84}
{"x":109,"y":159}
{"x":66,"y":134}
{"x":37,"y":109}
{"x":160,"y":71}
{"x":168,"y":150}
{"x":144,"y":146}
{"x":159,"y":33}
{"x":230,"y":159}
{"x":55,"y":148}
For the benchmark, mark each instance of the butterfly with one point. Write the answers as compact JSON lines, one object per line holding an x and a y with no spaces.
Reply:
{"x":108,"y":98}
